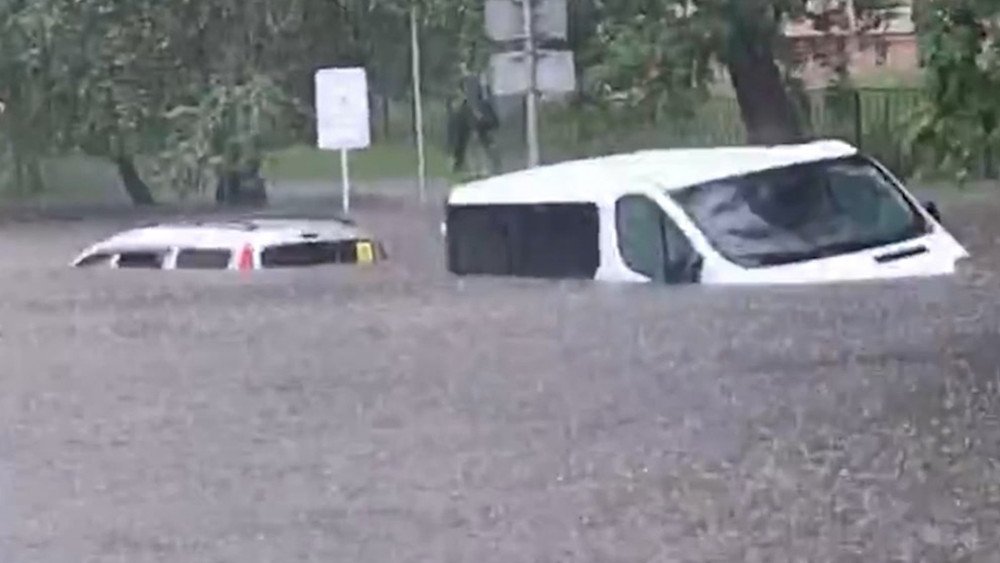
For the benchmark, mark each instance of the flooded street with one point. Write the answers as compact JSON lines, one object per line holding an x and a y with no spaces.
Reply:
{"x":399,"y":414}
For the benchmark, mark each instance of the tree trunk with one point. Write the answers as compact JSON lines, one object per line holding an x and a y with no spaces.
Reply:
{"x":28,"y":178}
{"x":765,"y":105}
{"x":227,"y":188}
{"x":18,"y":175}
{"x":36,"y":182}
{"x":138,"y":191}
{"x":245,"y":187}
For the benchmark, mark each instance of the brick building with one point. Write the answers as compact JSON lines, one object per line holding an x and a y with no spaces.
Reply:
{"x":886,"y":46}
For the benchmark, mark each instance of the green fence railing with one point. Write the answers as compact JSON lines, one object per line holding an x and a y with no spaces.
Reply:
{"x":878,"y":120}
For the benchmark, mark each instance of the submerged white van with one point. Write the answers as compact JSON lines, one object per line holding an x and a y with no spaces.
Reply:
{"x":807,"y":213}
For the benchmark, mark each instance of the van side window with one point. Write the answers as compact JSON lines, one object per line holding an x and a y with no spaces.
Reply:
{"x":477,"y":237}
{"x":203,"y":259}
{"x":142,"y":259}
{"x":528,"y":240}
{"x":96,"y":259}
{"x":310,"y":254}
{"x":651,"y":244}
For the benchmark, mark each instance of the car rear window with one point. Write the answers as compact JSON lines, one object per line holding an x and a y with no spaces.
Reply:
{"x":145,"y":259}
{"x":310,"y":254}
{"x":203,"y":259}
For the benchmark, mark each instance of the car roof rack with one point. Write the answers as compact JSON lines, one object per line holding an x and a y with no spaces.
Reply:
{"x":249,"y":224}
{"x":286,"y":216}
{"x":235,"y":224}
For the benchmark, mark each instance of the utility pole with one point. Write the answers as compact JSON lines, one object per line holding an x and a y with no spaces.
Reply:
{"x":531,"y":102}
{"x":853,"y":33}
{"x":852,"y":15}
{"x":418,"y":105}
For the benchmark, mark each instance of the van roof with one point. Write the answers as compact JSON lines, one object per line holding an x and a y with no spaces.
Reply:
{"x":605,"y":179}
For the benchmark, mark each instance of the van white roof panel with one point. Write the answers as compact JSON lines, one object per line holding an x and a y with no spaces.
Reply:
{"x":605,"y":179}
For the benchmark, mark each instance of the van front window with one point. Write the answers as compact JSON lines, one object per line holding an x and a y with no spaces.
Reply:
{"x":801,"y":212}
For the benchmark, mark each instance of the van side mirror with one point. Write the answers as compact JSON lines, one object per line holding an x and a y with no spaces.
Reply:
{"x":932,"y":210}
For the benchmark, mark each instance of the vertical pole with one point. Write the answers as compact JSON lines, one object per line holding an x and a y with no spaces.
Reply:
{"x":852,"y":16}
{"x":386,"y":132}
{"x":859,"y":120}
{"x":372,"y":116}
{"x":531,"y":105}
{"x":418,"y":108}
{"x":345,"y":182}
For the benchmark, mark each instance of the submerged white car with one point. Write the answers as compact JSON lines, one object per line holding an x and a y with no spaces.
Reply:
{"x":250,"y":244}
{"x":806,"y":213}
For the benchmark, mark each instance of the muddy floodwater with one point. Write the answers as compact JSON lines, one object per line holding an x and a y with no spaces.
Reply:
{"x":398,"y":414}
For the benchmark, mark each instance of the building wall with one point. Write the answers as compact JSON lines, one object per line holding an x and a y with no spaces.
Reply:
{"x":892,"y":48}
{"x":870,"y":55}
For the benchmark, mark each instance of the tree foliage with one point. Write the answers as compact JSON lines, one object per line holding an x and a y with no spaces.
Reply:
{"x":203,"y":88}
{"x":665,"y":53}
{"x":961,"y":118}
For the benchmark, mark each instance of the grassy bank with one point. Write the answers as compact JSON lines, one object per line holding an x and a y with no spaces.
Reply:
{"x":384,"y":161}
{"x":85,"y":180}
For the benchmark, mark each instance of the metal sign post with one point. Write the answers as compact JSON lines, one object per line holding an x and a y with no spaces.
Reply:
{"x":345,"y":182}
{"x":520,"y":67}
{"x":342,"y":118}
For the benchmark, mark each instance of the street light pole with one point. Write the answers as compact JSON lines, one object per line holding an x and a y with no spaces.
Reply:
{"x":531,"y":103}
{"x":418,"y":109}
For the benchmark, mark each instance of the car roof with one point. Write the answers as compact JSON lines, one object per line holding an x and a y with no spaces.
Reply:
{"x":228,"y":234}
{"x":605,"y":179}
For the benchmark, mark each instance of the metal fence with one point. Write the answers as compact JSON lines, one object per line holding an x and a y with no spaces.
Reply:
{"x":878,"y":120}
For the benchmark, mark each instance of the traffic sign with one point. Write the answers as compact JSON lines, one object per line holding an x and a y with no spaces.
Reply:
{"x":554,"y":72}
{"x":342,"y":112}
{"x":342,"y":118}
{"x":505,"y":20}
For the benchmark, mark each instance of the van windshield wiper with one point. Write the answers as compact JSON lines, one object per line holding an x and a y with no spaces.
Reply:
{"x":858,"y":245}
{"x":825,"y":251}
{"x":778,"y":258}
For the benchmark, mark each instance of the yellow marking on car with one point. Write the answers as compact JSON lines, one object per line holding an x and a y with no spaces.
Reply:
{"x":366,"y":253}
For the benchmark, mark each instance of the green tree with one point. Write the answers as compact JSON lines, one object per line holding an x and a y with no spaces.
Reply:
{"x":238,"y":62}
{"x":30,"y":68}
{"x":961,"y":119}
{"x":125,"y":78}
{"x":665,"y":53}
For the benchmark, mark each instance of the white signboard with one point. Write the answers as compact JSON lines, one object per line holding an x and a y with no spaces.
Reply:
{"x":505,"y":19}
{"x":555,"y":72}
{"x":342,"y":112}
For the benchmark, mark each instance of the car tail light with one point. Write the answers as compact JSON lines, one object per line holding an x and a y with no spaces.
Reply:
{"x":246,"y":259}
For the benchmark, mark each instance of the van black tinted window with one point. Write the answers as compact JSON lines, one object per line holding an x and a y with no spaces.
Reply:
{"x":203,"y":259}
{"x":148,"y":260}
{"x":542,"y":240}
{"x":309,"y":254}
{"x":98,"y":259}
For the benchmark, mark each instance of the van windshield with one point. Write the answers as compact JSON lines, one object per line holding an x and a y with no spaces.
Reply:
{"x":801,"y":212}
